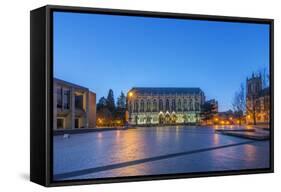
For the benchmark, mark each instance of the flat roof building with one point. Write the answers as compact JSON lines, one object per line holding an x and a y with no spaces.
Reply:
{"x":74,"y":106}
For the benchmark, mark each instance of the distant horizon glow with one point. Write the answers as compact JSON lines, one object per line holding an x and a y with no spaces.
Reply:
{"x":103,"y":52}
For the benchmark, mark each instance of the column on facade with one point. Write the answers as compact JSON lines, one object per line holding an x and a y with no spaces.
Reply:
{"x":87,"y":108}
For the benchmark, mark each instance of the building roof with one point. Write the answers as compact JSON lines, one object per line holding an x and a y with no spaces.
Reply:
{"x":59,"y":81}
{"x":166,"y":90}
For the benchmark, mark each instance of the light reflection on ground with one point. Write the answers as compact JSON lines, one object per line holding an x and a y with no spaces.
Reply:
{"x":154,"y":150}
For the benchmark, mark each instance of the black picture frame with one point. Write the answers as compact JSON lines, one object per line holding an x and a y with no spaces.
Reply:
{"x":41,"y":86}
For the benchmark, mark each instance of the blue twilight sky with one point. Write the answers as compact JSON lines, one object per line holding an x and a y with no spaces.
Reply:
{"x":120,"y":52}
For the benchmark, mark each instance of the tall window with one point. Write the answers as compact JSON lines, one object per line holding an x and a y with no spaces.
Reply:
{"x":79,"y":102}
{"x":160,"y":105}
{"x":59,"y":97}
{"x":196,"y":106}
{"x":142,"y":106}
{"x":154,"y":105}
{"x":148,"y":106}
{"x":66,"y":99}
{"x":179,"y":105}
{"x":190,"y":105}
{"x":136,"y":106}
{"x":184,"y":105}
{"x":173,"y":105}
{"x":167,"y":106}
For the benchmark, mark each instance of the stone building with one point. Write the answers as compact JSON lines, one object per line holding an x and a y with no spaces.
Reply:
{"x":74,"y":106}
{"x":148,"y":106}
{"x":257,"y":101}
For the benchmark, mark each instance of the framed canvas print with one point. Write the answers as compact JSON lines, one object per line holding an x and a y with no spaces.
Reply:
{"x":122,"y":95}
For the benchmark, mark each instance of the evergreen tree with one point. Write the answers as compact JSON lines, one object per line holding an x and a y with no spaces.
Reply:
{"x":121,"y":101}
{"x":102,"y":103}
{"x":110,"y":101}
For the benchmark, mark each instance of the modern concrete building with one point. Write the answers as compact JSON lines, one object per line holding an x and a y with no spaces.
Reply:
{"x":74,"y":106}
{"x":147,"y":106}
{"x":257,"y":101}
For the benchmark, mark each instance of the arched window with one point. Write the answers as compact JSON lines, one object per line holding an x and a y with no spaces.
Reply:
{"x":154,"y":105}
{"x":167,"y":106}
{"x":173,"y":105}
{"x":184,"y":105}
{"x":148,"y":106}
{"x":142,"y":106}
{"x":136,"y":106}
{"x":179,"y":105}
{"x":160,"y":105}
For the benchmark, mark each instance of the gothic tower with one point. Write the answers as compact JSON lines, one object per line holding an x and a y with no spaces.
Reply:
{"x":254,"y":86}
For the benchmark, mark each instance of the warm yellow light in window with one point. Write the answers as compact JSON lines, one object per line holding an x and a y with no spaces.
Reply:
{"x":130,"y":94}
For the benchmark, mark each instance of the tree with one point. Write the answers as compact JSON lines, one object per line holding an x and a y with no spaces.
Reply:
{"x":104,"y":117}
{"x":252,"y":107}
{"x":239,"y":103}
{"x":121,"y":101}
{"x":102,"y":103}
{"x":120,"y":111}
{"x":110,"y":101}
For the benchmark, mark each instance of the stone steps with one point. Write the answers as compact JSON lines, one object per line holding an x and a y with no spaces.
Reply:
{"x":253,"y":134}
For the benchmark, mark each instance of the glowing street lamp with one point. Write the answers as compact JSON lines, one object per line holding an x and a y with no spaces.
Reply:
{"x":131,"y":94}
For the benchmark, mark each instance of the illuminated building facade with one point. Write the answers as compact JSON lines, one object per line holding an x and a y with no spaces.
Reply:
{"x":257,"y":101}
{"x":74,"y":106}
{"x":148,"y":106}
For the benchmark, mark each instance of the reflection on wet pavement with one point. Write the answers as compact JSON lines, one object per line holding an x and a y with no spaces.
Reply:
{"x":157,"y":150}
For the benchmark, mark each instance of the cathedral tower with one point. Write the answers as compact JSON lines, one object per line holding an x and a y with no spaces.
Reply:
{"x":254,"y":86}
